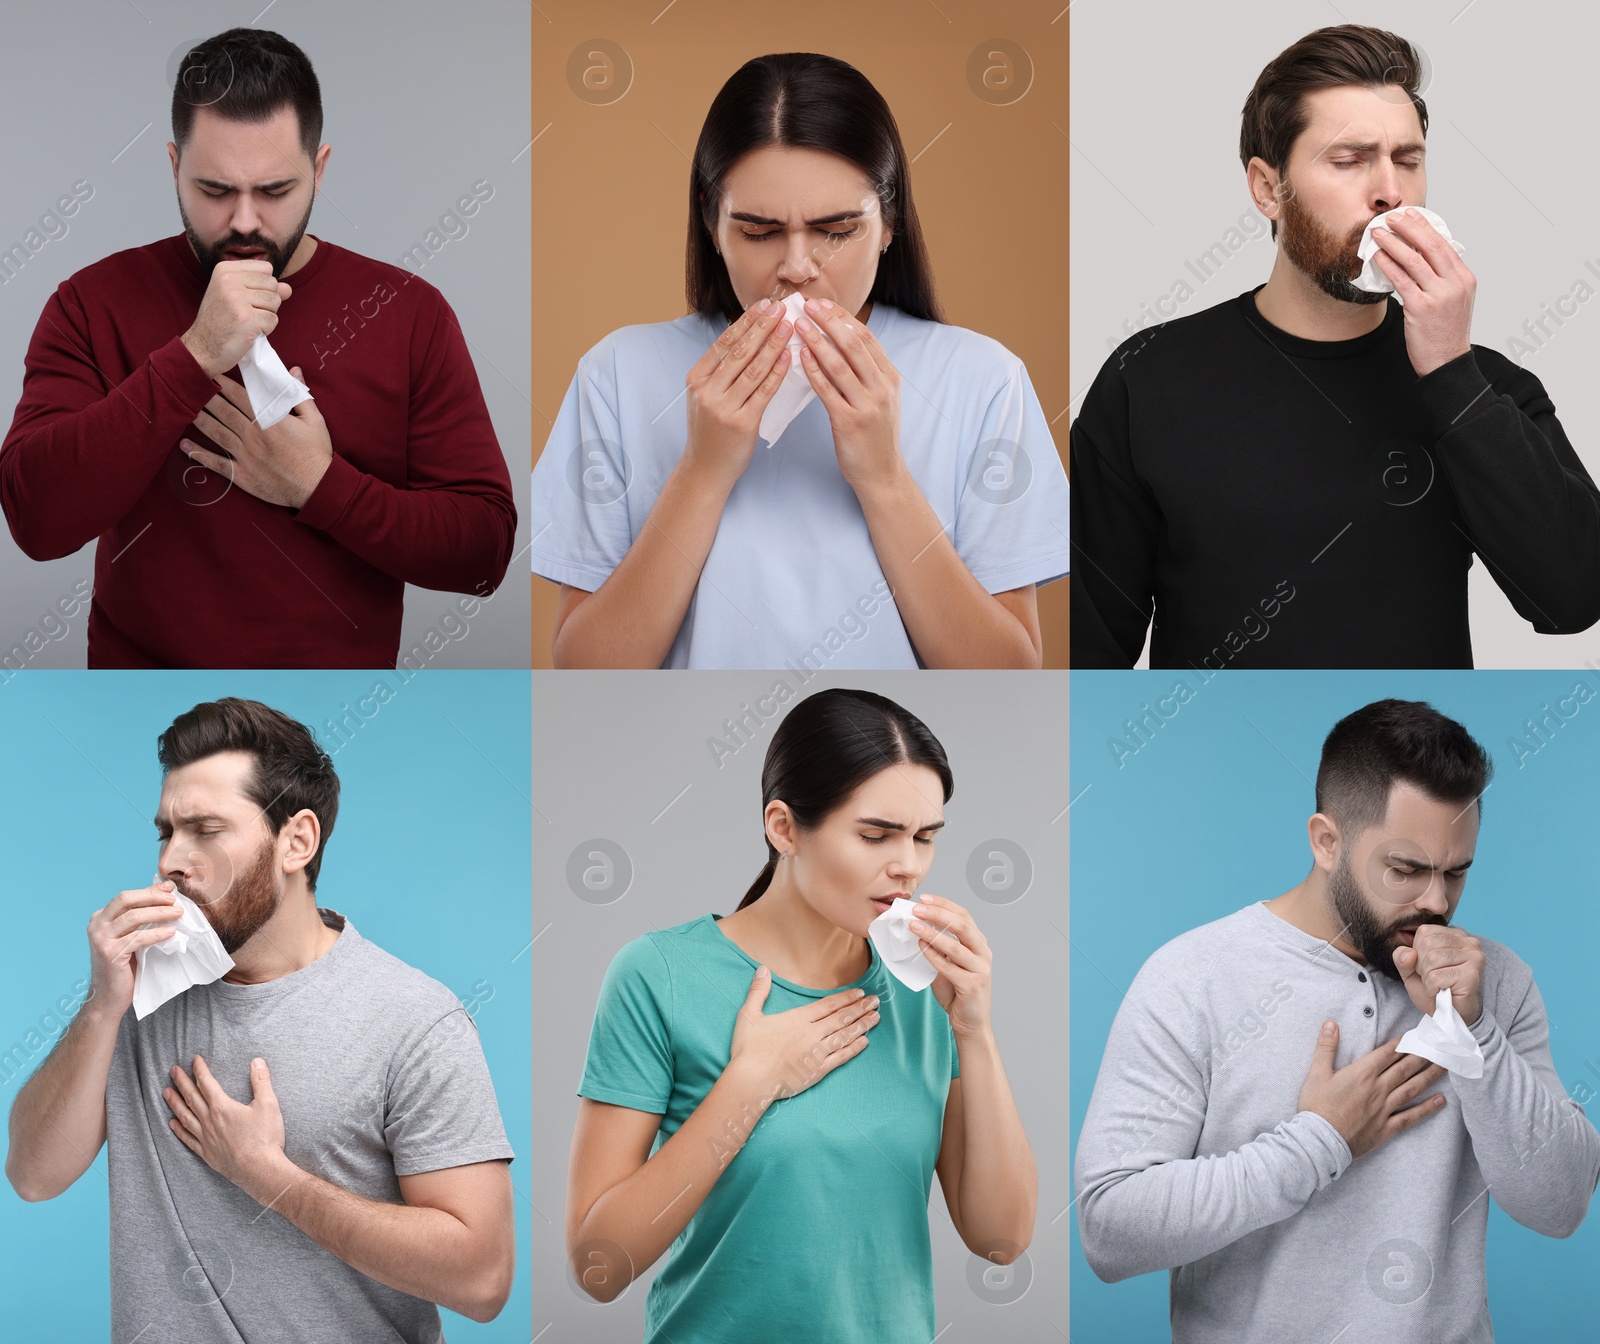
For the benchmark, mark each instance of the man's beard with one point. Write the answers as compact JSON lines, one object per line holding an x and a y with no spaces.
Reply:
{"x":1327,"y":259}
{"x":1362,"y":929}
{"x":209,"y":254}
{"x":248,"y":903}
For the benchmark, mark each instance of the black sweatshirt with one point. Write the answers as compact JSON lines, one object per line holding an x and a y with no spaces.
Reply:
{"x":1281,"y":502}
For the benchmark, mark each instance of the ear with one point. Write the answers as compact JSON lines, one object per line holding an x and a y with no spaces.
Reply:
{"x":1322,"y":832}
{"x":780,"y":826}
{"x":301,"y":834}
{"x":172,"y":154}
{"x":1265,"y":187}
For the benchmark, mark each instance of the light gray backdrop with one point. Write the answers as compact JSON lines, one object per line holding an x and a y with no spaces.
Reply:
{"x":624,"y":757}
{"x":419,"y":103}
{"x":1156,"y":184}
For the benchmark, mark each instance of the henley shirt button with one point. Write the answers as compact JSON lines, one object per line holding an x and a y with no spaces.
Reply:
{"x":1367,"y":1011}
{"x":1361,"y":976}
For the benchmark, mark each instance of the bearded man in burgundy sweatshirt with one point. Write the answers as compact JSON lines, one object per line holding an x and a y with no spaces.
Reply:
{"x":223,"y":543}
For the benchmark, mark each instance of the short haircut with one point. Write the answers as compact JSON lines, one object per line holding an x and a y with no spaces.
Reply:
{"x":1274,"y":114}
{"x":292,"y":772}
{"x":1389,"y":741}
{"x":247,"y":74}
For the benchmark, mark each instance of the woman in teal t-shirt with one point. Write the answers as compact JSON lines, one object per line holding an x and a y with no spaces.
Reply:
{"x":766,"y":1104}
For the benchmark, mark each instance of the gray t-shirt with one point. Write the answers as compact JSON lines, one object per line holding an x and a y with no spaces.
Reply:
{"x":379,"y":1074}
{"x":1195,"y":1157}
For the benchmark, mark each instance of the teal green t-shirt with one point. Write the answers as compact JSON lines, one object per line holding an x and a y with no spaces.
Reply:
{"x":818,"y":1228}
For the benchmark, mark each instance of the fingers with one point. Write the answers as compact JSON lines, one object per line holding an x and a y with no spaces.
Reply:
{"x":849,"y":1012}
{"x":1413,"y":1115}
{"x":142,"y":938}
{"x":261,"y":1082}
{"x":823,"y":1007}
{"x":187,"y":1090}
{"x":756,"y":995}
{"x":180,"y":1108}
{"x":853,"y":341}
{"x":835,"y":1041}
{"x":735,"y":337}
{"x":757,"y":380}
{"x":1414,"y":1085}
{"x":825,"y":359}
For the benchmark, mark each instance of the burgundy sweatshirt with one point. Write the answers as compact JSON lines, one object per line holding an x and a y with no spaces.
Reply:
{"x":194,"y":572}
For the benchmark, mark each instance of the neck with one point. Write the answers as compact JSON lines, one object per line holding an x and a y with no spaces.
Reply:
{"x":290,"y":941}
{"x":786,"y":935}
{"x":1308,"y":907}
{"x":300,"y":255}
{"x":1294,"y":303}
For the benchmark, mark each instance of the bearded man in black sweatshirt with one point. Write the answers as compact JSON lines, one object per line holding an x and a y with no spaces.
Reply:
{"x":1301,"y":476}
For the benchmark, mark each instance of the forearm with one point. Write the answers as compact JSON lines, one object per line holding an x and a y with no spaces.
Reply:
{"x":1526,"y":504}
{"x":58,"y":1120}
{"x":645,"y":1213}
{"x":79,"y":457}
{"x":1539,"y":1154}
{"x":449,"y":540}
{"x":999,"y":1189}
{"x":1177,"y":1211}
{"x":632,"y":619}
{"x":951,"y":620}
{"x":425,"y":1252}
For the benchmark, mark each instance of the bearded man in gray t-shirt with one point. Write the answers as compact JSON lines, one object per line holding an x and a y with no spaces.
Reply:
{"x":307,"y":1148}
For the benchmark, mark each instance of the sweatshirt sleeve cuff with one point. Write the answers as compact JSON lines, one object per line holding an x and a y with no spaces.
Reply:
{"x":1452,"y":393}
{"x":179,"y":372}
{"x":1323,"y":1144}
{"x":332,"y":496}
{"x":1485,"y":1027}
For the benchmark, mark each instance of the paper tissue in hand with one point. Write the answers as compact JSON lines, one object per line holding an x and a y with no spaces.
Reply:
{"x":1445,"y":1039}
{"x":1371,"y":278}
{"x":795,"y":392}
{"x":274,"y":391}
{"x":899,"y":947}
{"x":194,"y":955}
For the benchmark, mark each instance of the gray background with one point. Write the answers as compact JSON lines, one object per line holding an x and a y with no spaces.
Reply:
{"x":624,"y":756}
{"x":419,"y":102}
{"x":1156,"y":182}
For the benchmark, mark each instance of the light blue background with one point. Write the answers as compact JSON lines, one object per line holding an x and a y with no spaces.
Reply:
{"x":429,"y":858}
{"x":1209,"y":814}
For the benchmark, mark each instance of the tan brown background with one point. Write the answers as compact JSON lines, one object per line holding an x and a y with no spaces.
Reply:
{"x":610,"y":182}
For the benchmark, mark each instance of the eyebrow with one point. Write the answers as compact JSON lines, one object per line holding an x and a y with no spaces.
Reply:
{"x":1372,"y":146}
{"x":277,"y":185}
{"x":1422,"y":867}
{"x":881,"y":824}
{"x":162,"y":823}
{"x":825,"y":219}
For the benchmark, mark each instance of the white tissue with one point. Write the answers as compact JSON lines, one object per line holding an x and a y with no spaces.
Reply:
{"x":899,"y":947}
{"x":194,"y":955}
{"x":1371,"y":278}
{"x":1445,"y":1039}
{"x":274,"y":391}
{"x":795,"y":392}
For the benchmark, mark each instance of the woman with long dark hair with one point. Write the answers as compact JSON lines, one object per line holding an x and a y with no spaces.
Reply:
{"x":766,"y":1105}
{"x":812,"y":467}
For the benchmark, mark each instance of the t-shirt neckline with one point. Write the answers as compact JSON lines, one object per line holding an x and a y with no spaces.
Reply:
{"x":334,"y":957}
{"x":1305,"y":348}
{"x":807,"y":991}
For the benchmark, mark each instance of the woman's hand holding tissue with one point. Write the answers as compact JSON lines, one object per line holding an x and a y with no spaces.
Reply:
{"x":116,"y":933}
{"x":782,"y":1054}
{"x":861,"y":390}
{"x":960,"y":953}
{"x":243,"y":1143}
{"x":240,"y":303}
{"x":728,"y":389}
{"x":1443,"y":957}
{"x":281,"y":465}
{"x":1435,"y":286}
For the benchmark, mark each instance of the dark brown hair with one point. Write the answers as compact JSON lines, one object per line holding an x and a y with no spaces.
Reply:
{"x":1381,"y":744}
{"x":827,"y":747}
{"x":247,"y":74}
{"x":1274,"y":114}
{"x":291,"y":772}
{"x":803,"y":101}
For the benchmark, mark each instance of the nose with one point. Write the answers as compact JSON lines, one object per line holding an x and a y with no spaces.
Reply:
{"x":798,"y":266}
{"x":245,"y":220}
{"x":1433,"y":901}
{"x":1386,"y":189}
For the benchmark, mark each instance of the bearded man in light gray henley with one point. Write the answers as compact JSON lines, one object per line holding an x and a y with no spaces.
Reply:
{"x":1312,"y":1184}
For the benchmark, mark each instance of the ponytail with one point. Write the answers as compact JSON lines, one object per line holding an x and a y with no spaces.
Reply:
{"x":762,"y":882}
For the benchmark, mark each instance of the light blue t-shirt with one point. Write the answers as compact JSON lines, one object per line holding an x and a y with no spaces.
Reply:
{"x":792,"y":579}
{"x":817,"y":1230}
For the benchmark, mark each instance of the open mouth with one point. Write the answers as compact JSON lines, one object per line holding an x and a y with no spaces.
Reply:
{"x":245,"y":253}
{"x":882,"y":903}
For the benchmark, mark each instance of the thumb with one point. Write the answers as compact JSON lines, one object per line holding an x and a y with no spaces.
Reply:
{"x":1405,"y":961}
{"x":1327,"y":1049}
{"x":261,"y":1082}
{"x":760,"y":987}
